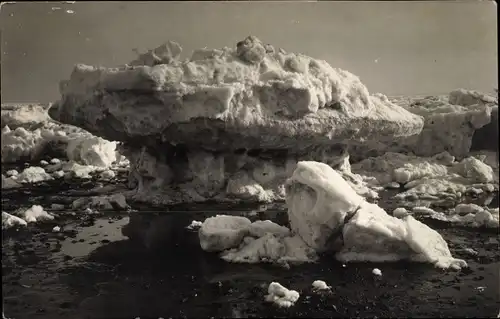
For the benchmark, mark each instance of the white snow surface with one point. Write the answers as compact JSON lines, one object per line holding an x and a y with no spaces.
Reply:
{"x":281,"y":296}
{"x":318,"y":201}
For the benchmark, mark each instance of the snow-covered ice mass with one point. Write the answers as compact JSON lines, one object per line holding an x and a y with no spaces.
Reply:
{"x":257,"y":124}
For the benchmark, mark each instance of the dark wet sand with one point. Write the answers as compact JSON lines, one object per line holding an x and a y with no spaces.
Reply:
{"x":90,"y":270}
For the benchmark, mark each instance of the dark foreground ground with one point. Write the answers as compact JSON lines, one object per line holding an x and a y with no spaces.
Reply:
{"x":90,"y":270}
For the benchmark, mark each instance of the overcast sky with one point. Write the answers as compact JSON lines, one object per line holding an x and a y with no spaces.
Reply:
{"x":396,"y":48}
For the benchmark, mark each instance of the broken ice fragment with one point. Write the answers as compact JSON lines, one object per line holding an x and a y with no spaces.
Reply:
{"x":377,"y":272}
{"x":320,"y":285}
{"x":36,"y":213}
{"x":281,"y":296}
{"x":194,"y":224}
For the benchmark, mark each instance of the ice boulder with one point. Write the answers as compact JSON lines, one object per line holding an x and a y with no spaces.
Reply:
{"x":240,"y":241}
{"x":92,"y":150}
{"x":223,"y":232}
{"x":329,"y":210}
{"x":326,"y":214}
{"x":226,"y":123}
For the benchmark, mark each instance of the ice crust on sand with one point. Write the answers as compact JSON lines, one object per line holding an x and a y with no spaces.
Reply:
{"x":325,"y":213}
{"x":226,"y":124}
{"x":281,"y":296}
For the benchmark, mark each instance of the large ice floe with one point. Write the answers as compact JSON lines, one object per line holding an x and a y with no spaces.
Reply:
{"x":451,"y":123}
{"x":28,"y":135}
{"x":231,"y":123}
{"x":437,"y":179}
{"x":326,"y":214}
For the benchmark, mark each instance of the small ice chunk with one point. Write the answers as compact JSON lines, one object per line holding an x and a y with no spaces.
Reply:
{"x":9,"y":221}
{"x":194,"y":224}
{"x":223,"y":232}
{"x":400,"y":212}
{"x":58,"y":174}
{"x":108,"y":174}
{"x":44,"y":163}
{"x":11,"y":172}
{"x":281,"y":296}
{"x":55,"y":161}
{"x":56,"y":229}
{"x":33,"y":174}
{"x":36,"y":213}
{"x":377,"y":272}
{"x":320,"y":285}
